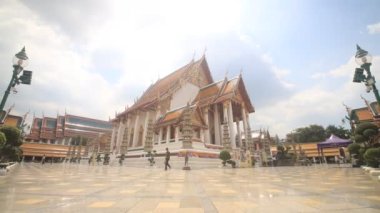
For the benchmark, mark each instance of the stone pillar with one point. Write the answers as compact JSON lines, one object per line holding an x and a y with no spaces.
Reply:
{"x":245,"y":125}
{"x":231,"y":125}
{"x":168,"y":134}
{"x":136,"y":130}
{"x":119,"y":136}
{"x":202,"y":135}
{"x":113,"y":137}
{"x":239,"y":133}
{"x":145,"y":127}
{"x":218,"y":139}
{"x":160,"y":135}
{"x":207,"y":131}
{"x":125,"y":139}
{"x":177,"y":134}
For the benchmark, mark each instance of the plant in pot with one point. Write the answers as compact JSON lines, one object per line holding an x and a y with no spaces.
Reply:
{"x":224,"y":155}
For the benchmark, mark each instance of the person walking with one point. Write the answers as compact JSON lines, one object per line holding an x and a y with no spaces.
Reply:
{"x":187,"y":158}
{"x":167,"y":158}
{"x":43,"y":160}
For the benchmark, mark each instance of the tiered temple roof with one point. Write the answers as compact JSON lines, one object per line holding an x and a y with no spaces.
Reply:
{"x":169,"y":84}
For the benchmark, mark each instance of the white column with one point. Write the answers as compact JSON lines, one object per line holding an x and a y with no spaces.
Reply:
{"x":168,"y":134}
{"x":158,"y":112}
{"x":245,"y":124}
{"x":206,"y":131}
{"x":122,"y":132}
{"x":218,"y":139}
{"x":177,"y":134}
{"x":238,"y":133}
{"x":160,"y":135}
{"x":202,"y":135}
{"x":113,"y":137}
{"x":145,"y":127}
{"x":136,"y":130}
{"x":119,"y":136}
{"x":231,"y":125}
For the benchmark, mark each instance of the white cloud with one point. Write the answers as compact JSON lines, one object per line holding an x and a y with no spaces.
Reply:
{"x":151,"y":39}
{"x":317,"y":105}
{"x":374,"y":28}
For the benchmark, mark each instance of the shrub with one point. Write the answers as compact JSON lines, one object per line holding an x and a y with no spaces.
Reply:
{"x":224,"y":155}
{"x":12,"y":134}
{"x":3,"y":139}
{"x":359,"y":138}
{"x":372,"y":157}
{"x":364,"y":126}
{"x":354,"y":148}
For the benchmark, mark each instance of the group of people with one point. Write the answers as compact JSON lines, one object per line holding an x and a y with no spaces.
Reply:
{"x":107,"y":158}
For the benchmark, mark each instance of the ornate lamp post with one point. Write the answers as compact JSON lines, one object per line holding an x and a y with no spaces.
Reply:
{"x":364,"y":59}
{"x":20,"y":61}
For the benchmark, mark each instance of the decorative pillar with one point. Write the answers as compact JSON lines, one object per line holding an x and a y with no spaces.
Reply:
{"x":187,"y":129}
{"x":226,"y":137}
{"x":124,"y":144}
{"x":231,"y":125}
{"x":119,"y":136}
{"x":148,"y":144}
{"x":217,"y":132}
{"x":226,"y":128}
{"x":136,"y":130}
{"x":207,"y":131}
{"x":113,"y":137}
{"x":245,"y":125}
{"x":239,"y":133}
{"x":145,"y":127}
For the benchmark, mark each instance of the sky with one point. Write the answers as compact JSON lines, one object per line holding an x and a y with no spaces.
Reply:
{"x":93,"y":58}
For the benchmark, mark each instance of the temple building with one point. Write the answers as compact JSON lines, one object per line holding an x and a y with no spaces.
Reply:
{"x":369,"y":113}
{"x":66,"y":136}
{"x":186,"y":110}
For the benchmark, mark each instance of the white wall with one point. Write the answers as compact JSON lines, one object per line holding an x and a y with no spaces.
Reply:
{"x":186,"y":94}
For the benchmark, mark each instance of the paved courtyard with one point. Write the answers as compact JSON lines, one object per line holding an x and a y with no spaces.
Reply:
{"x":81,"y":188}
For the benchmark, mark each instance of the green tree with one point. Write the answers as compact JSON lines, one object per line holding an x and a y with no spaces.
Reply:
{"x":311,"y":133}
{"x":10,"y":150}
{"x":354,"y":148}
{"x":339,"y":131}
{"x":365,"y":133}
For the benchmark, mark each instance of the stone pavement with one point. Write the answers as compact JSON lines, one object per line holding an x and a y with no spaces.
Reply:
{"x":81,"y":188}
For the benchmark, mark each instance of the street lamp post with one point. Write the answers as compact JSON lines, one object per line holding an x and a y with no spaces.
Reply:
{"x":364,"y":59}
{"x":20,"y":61}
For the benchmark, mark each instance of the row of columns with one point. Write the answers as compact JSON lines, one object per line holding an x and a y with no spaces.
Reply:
{"x":227,"y":117}
{"x":119,"y":131}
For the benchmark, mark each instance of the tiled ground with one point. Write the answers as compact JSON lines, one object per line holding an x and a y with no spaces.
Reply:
{"x":82,"y":188}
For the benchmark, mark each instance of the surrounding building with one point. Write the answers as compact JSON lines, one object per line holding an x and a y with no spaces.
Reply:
{"x":185,"y":111}
{"x":11,"y":120}
{"x":67,"y":136}
{"x":369,"y":113}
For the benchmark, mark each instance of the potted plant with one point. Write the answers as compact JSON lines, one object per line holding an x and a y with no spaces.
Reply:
{"x":225,"y":156}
